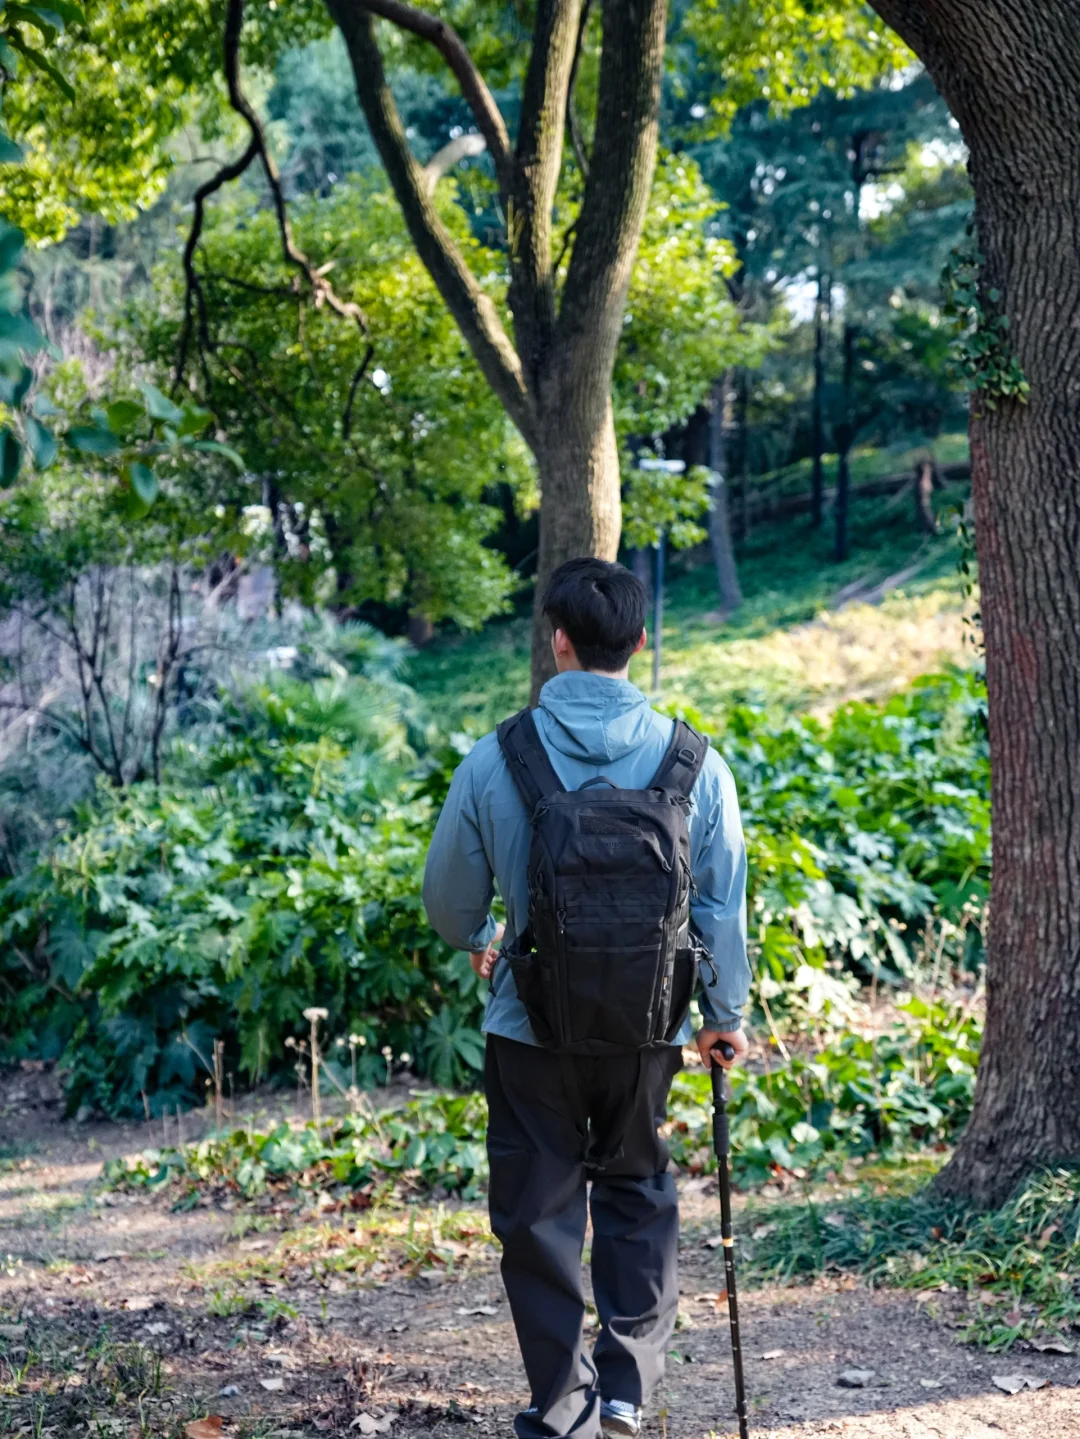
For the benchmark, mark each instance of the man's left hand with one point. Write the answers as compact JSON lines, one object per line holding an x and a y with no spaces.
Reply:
{"x":710,"y":1040}
{"x":483,"y":960}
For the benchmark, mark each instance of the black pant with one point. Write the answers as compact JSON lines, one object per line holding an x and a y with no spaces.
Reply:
{"x":549,"y":1113}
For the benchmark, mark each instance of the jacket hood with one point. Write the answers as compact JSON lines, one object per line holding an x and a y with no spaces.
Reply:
{"x":592,"y":717}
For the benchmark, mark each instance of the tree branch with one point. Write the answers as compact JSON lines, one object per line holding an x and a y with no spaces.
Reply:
{"x":573,"y":126}
{"x":470,"y":305}
{"x":443,"y":161}
{"x":449,"y":44}
{"x":617,"y":192}
{"x":323,"y":292}
{"x":539,"y":161}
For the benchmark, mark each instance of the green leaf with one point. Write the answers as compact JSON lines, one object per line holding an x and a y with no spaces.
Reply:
{"x":122,"y":414}
{"x":214,"y":447}
{"x":195,"y":420}
{"x":143,"y":482}
{"x":89,"y":440}
{"x":10,"y":456}
{"x":10,"y":153}
{"x":21,"y":333}
{"x":159,"y":406}
{"x":8,"y":58}
{"x":37,"y":59}
{"x":42,"y":443}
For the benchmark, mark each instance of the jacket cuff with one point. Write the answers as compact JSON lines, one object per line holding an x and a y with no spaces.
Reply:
{"x":482,"y":937}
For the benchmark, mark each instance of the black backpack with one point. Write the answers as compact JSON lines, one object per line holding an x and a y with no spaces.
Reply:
{"x":608,"y":961}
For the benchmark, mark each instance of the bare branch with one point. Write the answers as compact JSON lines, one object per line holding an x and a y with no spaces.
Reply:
{"x":573,"y":124}
{"x":443,"y":161}
{"x":193,"y":291}
{"x":468,"y":302}
{"x":448,"y":42}
{"x":346,"y":419}
{"x":323,"y":292}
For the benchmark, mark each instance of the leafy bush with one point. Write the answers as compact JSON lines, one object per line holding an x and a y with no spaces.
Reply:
{"x":282,"y":871}
{"x":435,"y":1142}
{"x":911,"y":1084}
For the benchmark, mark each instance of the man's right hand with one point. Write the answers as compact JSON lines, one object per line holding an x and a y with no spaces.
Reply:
{"x":483,"y":960}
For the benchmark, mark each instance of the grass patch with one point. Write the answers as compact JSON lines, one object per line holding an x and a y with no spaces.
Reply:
{"x":317,"y":1260}
{"x":788,"y":647}
{"x":1015,"y":1271}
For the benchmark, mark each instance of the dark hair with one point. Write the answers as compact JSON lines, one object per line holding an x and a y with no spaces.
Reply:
{"x":601,"y":606}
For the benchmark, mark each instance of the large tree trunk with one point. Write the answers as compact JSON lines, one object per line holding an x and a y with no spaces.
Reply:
{"x":581,"y":510}
{"x":1010,"y":71}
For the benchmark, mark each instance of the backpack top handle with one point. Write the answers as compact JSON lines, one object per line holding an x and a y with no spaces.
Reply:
{"x":682,"y":763}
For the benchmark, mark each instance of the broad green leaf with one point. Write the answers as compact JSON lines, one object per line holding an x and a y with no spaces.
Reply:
{"x":143,"y":482}
{"x":10,"y":153}
{"x":42,"y":443}
{"x":159,"y":406}
{"x":215,"y":447}
{"x":21,"y":333}
{"x":90,"y":440}
{"x":122,"y":414}
{"x":195,"y":420}
{"x":10,"y":456}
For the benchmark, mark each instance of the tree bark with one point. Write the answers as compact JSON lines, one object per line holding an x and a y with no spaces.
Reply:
{"x":1010,"y":72}
{"x":845,"y":438}
{"x":817,"y":511}
{"x":925,"y":519}
{"x":723,"y":551}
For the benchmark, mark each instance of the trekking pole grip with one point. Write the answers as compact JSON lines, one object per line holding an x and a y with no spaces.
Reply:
{"x":721,"y":1135}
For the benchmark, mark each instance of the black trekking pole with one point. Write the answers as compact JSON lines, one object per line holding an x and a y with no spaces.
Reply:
{"x":722,"y":1145}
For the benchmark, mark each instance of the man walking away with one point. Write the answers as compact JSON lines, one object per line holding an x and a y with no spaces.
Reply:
{"x":614,"y":838}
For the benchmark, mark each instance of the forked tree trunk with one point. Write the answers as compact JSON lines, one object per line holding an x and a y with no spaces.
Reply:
{"x":1010,"y":71}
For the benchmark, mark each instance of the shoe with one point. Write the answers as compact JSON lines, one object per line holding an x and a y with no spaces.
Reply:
{"x":619,"y":1418}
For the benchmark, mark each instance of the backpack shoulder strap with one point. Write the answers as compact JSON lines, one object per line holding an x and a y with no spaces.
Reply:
{"x":682,"y":763}
{"x":527,"y":759}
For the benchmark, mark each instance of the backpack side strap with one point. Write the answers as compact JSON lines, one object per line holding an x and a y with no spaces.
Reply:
{"x":527,"y":759}
{"x":682,"y":763}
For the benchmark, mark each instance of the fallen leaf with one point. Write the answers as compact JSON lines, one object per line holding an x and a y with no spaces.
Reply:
{"x":230,"y":1391}
{"x":278,"y":1360}
{"x":398,"y":1328}
{"x":937,"y":1231}
{"x":706,"y":1298}
{"x":77,"y":1276}
{"x":1013,"y":1318}
{"x":773,"y":1354}
{"x":368,"y":1424}
{"x":479,"y":1309}
{"x":1016,"y":1383}
{"x":855,"y":1378}
{"x":252,"y":1244}
{"x":157,"y":1329}
{"x":1054,"y":1345}
{"x":275,"y":1386}
{"x":1048,"y":1234}
{"x":137,"y":1303}
{"x":931,"y":1383}
{"x":12,"y":1331}
{"x":208,"y":1428}
{"x":835,"y":1221}
{"x":763,"y":1231}
{"x":715,"y":1240}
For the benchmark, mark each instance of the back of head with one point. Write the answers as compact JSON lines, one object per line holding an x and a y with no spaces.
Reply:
{"x":601,"y":608}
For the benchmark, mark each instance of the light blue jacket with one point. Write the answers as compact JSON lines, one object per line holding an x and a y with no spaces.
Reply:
{"x":589,"y":724}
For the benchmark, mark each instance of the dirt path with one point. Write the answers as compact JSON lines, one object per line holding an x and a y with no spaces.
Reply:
{"x":118,"y":1316}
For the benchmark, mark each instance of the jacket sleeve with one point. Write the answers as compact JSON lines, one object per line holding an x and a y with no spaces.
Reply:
{"x":719,"y":909}
{"x":458,"y":881}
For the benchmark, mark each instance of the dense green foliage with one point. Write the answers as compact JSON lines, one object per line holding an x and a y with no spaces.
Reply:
{"x":280,"y":868}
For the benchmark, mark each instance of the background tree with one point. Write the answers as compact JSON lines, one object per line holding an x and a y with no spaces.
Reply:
{"x":1011,"y":75}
